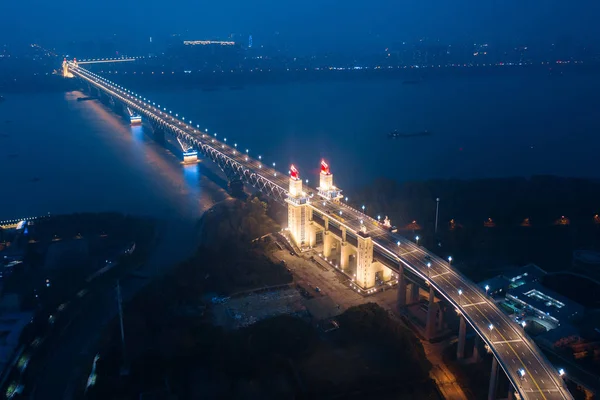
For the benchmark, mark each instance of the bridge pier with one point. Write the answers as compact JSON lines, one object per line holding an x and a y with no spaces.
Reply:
{"x":440,"y":325}
{"x":431,"y":313}
{"x":386,"y":273}
{"x":493,"y":380}
{"x":312,"y":233}
{"x":511,"y":392}
{"x":476,"y":351}
{"x":414,"y":293}
{"x":327,"y":243}
{"x":401,"y":291}
{"x":462,"y":335}
{"x":344,"y":255}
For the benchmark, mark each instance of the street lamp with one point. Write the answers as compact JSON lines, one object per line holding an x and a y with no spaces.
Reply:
{"x":417,"y":239}
{"x":491,"y":327}
{"x":363,"y":208}
{"x":523,"y":324}
{"x":460,"y":297}
{"x":437,"y":212}
{"x":487,"y":287}
{"x":449,"y":259}
{"x":428,"y":269}
{"x":561,"y":372}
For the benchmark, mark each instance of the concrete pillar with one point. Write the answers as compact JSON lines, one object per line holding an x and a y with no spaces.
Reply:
{"x":431,"y":312}
{"x":462,"y":334}
{"x":511,"y":392}
{"x":365,"y":273}
{"x":312,"y":234}
{"x":414,"y":293}
{"x":344,"y":255}
{"x":476,"y":345}
{"x":327,"y":242}
{"x":440,"y":325}
{"x":190,"y":158}
{"x":401,"y":302}
{"x":493,"y":380}
{"x":386,"y":273}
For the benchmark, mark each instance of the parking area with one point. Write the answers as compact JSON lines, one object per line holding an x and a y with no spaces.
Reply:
{"x":238,"y":312}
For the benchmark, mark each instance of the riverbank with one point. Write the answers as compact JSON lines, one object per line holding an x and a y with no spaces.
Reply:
{"x":56,"y":261}
{"x":490,"y":224}
{"x":173,"y":348}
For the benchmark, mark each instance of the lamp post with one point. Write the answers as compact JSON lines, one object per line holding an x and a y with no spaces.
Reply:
{"x":437,"y":212}
{"x":417,"y":239}
{"x":449,"y":260}
{"x":460,"y":297}
{"x":487,"y":287}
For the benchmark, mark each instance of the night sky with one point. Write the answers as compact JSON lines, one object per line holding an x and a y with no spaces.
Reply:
{"x":308,"y":24}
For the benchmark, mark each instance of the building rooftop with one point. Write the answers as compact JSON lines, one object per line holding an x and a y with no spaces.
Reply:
{"x":513,"y":278}
{"x":545,"y":302}
{"x":527,"y":274}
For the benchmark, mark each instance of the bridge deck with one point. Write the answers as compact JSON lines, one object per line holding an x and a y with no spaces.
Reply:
{"x":511,"y":346}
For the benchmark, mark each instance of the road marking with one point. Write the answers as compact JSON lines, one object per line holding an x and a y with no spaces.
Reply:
{"x":509,"y":345}
{"x":408,"y":252}
{"x":443,"y":273}
{"x":507,"y":341}
{"x":473,"y":304}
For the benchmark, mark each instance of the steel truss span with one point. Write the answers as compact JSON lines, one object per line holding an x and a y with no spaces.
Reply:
{"x":532,"y":376}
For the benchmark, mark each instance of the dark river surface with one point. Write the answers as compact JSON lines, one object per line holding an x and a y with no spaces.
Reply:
{"x":59,"y":155}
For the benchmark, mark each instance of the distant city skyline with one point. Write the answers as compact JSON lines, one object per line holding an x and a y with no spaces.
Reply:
{"x":311,"y":26}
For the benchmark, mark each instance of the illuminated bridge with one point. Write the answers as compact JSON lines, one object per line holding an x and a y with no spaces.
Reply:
{"x":361,"y":244}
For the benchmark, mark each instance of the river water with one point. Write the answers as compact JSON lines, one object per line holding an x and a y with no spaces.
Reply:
{"x":59,"y":155}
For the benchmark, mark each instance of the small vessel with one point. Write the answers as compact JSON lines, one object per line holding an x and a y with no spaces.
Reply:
{"x":395,"y":134}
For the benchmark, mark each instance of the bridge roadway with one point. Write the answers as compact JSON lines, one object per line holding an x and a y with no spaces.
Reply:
{"x":512,"y":348}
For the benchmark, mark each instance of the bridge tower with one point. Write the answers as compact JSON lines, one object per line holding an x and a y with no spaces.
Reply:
{"x":326,"y":187}
{"x":299,"y":214}
{"x":365,"y":272}
{"x":65,"y":69}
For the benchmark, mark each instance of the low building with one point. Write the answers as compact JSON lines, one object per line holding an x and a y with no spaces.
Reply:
{"x":545,"y":303}
{"x":501,"y":284}
{"x":522,"y":289}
